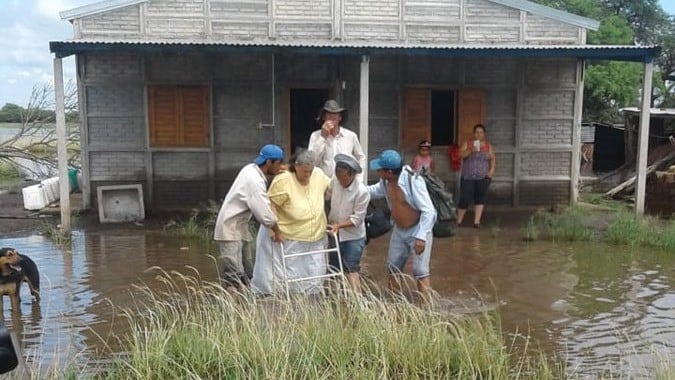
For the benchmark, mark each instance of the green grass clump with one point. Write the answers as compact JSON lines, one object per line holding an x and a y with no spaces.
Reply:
{"x":202,"y":332}
{"x":644,"y":231}
{"x":55,"y":234}
{"x":567,"y":225}
{"x":628,"y":229}
{"x":620,"y":227}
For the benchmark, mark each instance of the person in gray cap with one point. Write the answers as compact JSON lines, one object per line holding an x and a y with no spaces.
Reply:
{"x":349,"y":200}
{"x":333,"y":139}
{"x":247,"y":196}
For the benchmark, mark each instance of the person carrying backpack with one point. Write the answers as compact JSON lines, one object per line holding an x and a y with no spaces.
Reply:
{"x":413,"y":216}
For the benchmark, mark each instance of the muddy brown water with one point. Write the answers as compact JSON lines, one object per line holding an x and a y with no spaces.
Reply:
{"x":601,"y":309}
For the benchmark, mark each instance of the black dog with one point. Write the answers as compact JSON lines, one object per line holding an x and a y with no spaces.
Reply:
{"x":14,"y":269}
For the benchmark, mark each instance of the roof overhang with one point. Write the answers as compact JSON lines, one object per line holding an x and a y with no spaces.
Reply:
{"x":653,"y":112}
{"x":599,"y":52}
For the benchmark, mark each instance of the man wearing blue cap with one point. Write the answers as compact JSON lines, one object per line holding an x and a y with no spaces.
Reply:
{"x":413,"y":215}
{"x":247,"y":196}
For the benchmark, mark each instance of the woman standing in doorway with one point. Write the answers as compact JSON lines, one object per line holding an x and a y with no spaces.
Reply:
{"x":478,"y":168}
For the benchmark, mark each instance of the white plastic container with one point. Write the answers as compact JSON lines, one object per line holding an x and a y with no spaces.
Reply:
{"x":51,"y":186}
{"x":34,"y":197}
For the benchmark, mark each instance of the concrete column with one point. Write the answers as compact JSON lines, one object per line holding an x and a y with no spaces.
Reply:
{"x":575,"y":169}
{"x":364,"y":111}
{"x":62,"y":155}
{"x":643,"y":142}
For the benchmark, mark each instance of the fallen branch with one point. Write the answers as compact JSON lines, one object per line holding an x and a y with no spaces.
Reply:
{"x":629,"y":182}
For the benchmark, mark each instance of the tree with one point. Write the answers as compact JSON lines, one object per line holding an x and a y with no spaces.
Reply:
{"x":10,"y":113}
{"x":33,"y":147}
{"x":610,"y":86}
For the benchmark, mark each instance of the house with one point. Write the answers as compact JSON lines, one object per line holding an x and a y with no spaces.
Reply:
{"x":178,"y":94}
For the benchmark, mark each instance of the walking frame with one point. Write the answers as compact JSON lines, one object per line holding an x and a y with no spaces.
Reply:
{"x":326,"y":252}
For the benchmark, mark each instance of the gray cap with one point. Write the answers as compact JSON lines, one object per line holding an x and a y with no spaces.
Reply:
{"x":348,"y":161}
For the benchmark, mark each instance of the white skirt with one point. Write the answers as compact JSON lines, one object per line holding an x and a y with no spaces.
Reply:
{"x":268,"y":271}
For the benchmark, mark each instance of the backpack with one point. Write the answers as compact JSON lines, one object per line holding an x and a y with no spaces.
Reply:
{"x":441,"y":198}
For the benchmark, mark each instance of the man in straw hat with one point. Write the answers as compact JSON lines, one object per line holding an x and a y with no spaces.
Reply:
{"x":333,"y":139}
{"x":247,"y":196}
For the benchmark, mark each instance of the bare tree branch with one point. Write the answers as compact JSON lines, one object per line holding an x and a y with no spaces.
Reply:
{"x":33,"y":147}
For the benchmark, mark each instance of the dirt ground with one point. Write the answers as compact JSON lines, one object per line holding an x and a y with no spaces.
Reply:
{"x":13,"y":218}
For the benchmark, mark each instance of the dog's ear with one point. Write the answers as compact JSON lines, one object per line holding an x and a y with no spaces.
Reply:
{"x":5,"y":251}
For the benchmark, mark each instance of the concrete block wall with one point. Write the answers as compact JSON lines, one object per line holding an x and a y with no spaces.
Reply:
{"x":543,"y":193}
{"x":178,"y":166}
{"x":487,"y":12}
{"x":117,"y":166}
{"x":429,"y":21}
{"x":121,"y":23}
{"x":542,"y":164}
{"x":525,"y":115}
{"x":541,"y":30}
{"x":303,"y":9}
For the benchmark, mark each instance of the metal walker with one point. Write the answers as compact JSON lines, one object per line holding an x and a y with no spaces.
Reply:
{"x":326,"y":252}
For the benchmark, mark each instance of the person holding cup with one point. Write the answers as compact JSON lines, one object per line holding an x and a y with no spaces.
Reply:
{"x":478,"y":168}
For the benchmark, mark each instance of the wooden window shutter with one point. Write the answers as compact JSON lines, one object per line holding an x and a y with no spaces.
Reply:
{"x":162,"y":106}
{"x":195,"y":116}
{"x":178,"y":116}
{"x":471,"y":110}
{"x":416,"y":117}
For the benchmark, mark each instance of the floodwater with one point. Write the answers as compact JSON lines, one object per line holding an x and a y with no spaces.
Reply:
{"x":602,"y":309}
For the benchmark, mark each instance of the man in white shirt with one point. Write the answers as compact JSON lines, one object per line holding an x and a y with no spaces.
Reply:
{"x":349,"y":200}
{"x":413,"y":216}
{"x":247,"y":196}
{"x":333,"y":139}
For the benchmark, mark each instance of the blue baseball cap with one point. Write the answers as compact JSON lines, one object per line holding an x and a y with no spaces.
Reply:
{"x":389,"y":160}
{"x":269,"y":152}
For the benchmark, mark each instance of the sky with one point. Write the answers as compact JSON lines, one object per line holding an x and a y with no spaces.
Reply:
{"x":27,"y":26}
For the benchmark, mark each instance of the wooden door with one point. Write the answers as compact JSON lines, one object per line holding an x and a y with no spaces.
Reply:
{"x":416,"y":117}
{"x":471,"y":110}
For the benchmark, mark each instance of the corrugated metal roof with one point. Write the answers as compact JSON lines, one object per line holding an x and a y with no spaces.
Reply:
{"x":652,"y":111}
{"x":95,"y":8}
{"x":548,"y":12}
{"x":611,"y":52}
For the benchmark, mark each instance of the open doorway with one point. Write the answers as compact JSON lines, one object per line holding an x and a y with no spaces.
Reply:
{"x":304,"y":108}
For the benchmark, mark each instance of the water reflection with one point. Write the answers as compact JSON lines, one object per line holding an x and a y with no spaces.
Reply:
{"x":600,"y":308}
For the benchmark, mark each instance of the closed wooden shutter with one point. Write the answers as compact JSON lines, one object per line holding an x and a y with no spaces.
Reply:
{"x":195,"y":116}
{"x":178,"y":116}
{"x":416,"y":117}
{"x":471,"y":110}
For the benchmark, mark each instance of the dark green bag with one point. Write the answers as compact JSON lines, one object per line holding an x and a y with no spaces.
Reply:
{"x":441,"y":198}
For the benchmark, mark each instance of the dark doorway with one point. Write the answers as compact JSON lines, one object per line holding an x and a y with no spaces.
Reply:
{"x":442,"y":117}
{"x":305,"y":106}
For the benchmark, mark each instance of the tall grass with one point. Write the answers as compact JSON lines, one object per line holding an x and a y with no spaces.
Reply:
{"x":567,"y":225}
{"x":199,"y":225}
{"x":645,"y":231}
{"x":620,"y":227}
{"x":196,"y":330}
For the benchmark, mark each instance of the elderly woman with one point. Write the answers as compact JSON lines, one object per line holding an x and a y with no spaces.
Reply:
{"x":349,"y":200}
{"x":297,"y":197}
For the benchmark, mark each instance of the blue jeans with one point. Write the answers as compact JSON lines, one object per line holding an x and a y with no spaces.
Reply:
{"x":402,"y":246}
{"x":351,"y":252}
